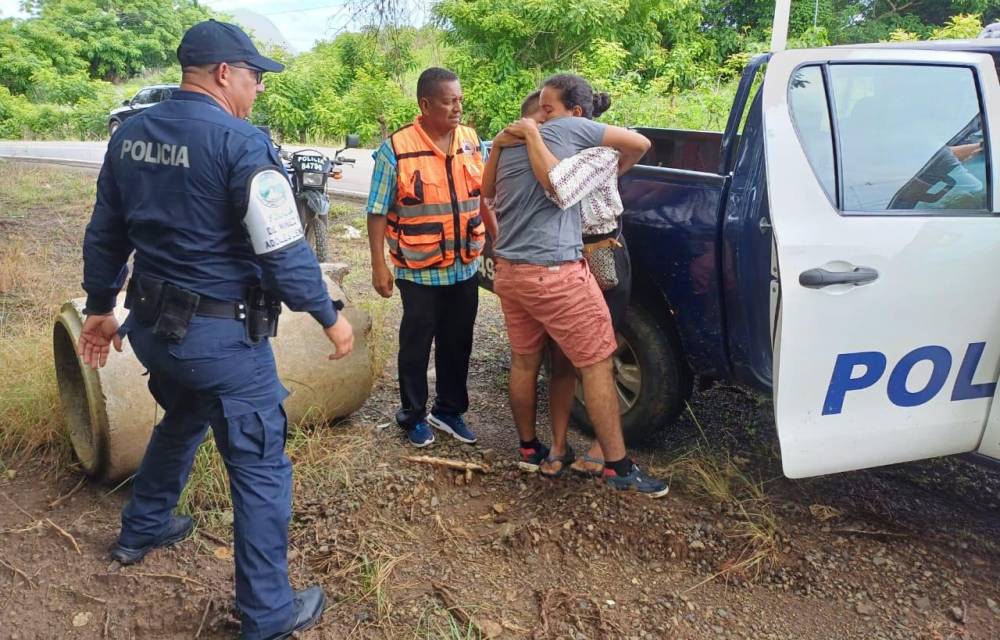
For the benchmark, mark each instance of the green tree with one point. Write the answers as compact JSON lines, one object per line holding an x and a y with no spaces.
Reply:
{"x":501,"y":49}
{"x":958,"y":27}
{"x":120,"y":38}
{"x":353,"y":84}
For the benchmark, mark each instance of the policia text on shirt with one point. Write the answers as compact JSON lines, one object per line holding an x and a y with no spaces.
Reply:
{"x":201,"y":198}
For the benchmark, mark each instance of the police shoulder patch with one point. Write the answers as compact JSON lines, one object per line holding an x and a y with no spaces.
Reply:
{"x":271,"y":219}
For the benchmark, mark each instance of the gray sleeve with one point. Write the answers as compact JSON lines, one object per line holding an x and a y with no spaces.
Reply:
{"x":568,"y":136}
{"x":591,"y":133}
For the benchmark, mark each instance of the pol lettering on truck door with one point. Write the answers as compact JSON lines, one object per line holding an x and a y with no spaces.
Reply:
{"x":882,"y":185}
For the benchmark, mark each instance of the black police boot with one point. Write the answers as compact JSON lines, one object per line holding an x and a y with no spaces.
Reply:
{"x":308,"y":608}
{"x":179,"y":528}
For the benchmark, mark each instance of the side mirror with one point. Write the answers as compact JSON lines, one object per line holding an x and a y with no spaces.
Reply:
{"x":353,"y":141}
{"x":126,"y":103}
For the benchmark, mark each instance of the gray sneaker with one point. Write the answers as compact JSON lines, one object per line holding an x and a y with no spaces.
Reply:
{"x":637,"y":481}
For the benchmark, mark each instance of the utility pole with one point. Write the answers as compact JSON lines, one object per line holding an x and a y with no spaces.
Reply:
{"x":779,"y":28}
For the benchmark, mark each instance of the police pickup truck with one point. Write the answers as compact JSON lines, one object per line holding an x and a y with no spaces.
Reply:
{"x":835,"y":247}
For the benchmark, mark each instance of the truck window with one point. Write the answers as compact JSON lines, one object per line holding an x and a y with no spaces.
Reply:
{"x":807,"y":101}
{"x":900,"y":147}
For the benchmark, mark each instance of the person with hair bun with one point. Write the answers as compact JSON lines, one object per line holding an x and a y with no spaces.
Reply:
{"x":545,"y":287}
{"x":590,"y":177}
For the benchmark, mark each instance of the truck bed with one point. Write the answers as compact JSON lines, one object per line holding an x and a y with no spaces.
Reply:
{"x":673,"y":200}
{"x":682,"y":149}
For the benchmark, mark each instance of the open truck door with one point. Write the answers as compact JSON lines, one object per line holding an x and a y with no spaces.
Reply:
{"x":883,"y":191}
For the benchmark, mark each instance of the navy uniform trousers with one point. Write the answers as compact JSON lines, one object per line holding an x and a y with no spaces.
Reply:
{"x":216,"y":377}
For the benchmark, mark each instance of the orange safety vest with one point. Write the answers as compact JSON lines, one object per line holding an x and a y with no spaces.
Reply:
{"x":436,"y":213}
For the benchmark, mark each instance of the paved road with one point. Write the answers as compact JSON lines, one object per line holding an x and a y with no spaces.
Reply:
{"x":91,"y":154}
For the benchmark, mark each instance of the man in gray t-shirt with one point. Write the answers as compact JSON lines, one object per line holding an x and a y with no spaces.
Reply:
{"x":547,"y":291}
{"x":535,"y":230}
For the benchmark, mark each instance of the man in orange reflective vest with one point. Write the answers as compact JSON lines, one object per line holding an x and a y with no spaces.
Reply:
{"x":424,"y":203}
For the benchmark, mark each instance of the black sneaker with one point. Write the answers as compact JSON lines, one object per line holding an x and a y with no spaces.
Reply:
{"x":532,"y":457}
{"x":178,"y":528}
{"x":637,"y":481}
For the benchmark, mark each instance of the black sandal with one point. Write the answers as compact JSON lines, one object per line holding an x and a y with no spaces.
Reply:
{"x":564,"y":461}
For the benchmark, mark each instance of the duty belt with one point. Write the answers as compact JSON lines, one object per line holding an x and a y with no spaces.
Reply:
{"x":169,"y":309}
{"x":222,"y":309}
{"x":146,"y":290}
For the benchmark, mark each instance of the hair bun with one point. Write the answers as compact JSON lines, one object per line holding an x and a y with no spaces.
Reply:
{"x":602,"y":102}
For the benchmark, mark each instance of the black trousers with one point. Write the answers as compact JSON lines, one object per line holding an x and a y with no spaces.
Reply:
{"x":444,"y":315}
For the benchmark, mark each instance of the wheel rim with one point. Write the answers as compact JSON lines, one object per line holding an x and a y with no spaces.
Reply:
{"x":114,"y":127}
{"x":627,"y":374}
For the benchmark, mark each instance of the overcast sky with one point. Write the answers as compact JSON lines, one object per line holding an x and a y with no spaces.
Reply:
{"x":302,"y":22}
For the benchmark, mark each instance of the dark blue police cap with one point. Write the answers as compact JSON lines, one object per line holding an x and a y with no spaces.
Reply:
{"x":211,"y":42}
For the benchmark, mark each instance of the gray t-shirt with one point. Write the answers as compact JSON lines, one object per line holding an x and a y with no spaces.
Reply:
{"x":533,"y":229}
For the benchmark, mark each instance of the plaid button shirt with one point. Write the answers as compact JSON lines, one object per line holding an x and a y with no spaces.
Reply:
{"x":381,"y":200}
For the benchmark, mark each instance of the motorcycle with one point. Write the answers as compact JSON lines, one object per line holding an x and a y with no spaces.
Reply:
{"x":309,"y":171}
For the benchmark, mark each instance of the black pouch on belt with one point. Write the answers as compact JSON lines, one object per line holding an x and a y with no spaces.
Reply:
{"x":143,"y":298}
{"x":177,"y":307}
{"x":262,"y":314}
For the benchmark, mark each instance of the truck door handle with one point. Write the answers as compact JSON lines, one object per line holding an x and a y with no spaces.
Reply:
{"x":819,"y":278}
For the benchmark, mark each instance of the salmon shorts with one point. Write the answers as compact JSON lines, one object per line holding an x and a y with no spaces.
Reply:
{"x":562,"y":302}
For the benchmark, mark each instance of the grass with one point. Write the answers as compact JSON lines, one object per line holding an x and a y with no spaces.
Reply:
{"x":716,"y":476}
{"x":370,"y":575}
{"x":437,"y":622}
{"x":382,"y":339}
{"x":30,"y":416}
{"x":365,"y":575}
{"x":27,"y":187}
{"x":46,"y":209}
{"x":322,"y":456}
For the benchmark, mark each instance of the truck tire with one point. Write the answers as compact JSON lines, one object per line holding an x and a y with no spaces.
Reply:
{"x":651,"y":375}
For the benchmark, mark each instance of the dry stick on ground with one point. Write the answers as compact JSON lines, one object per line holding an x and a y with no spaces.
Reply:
{"x":66,"y":534}
{"x":46,"y":520}
{"x":17,"y":506}
{"x":82,"y":594}
{"x":168,"y":576}
{"x":564,"y":598}
{"x":61,"y":499}
{"x":444,"y":530}
{"x":212,"y":537}
{"x":450,"y":603}
{"x":204,"y":616}
{"x":23,"y":575}
{"x":34,"y":525}
{"x":107,"y":621}
{"x":82,"y":516}
{"x":861,"y":532}
{"x":450,"y":464}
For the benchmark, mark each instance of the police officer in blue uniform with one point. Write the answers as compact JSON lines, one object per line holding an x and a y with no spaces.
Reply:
{"x":202,"y":199}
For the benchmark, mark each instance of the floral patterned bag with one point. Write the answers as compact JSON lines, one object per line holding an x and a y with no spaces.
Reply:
{"x":600,"y":257}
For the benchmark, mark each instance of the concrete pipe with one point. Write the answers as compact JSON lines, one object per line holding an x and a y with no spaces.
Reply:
{"x":110,"y":414}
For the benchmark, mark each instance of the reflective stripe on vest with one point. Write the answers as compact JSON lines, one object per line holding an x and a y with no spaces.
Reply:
{"x":435,"y":219}
{"x":417,"y":210}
